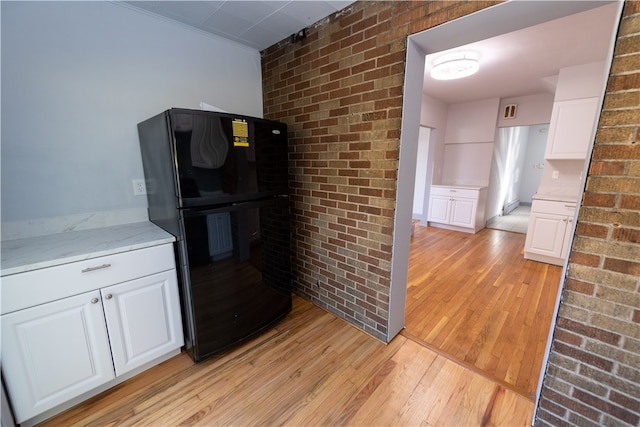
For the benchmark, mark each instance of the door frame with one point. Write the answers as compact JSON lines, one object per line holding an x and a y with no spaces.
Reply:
{"x":490,"y":22}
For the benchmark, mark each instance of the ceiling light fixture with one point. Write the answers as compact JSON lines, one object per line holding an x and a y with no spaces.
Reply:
{"x":455,"y":66}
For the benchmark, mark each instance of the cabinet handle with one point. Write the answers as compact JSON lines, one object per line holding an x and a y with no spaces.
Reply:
{"x":564,"y":219}
{"x":99,"y":267}
{"x":94,"y":300}
{"x":108,"y":296}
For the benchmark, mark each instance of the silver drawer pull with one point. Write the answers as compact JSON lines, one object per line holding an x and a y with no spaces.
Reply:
{"x":94,"y":300}
{"x":108,"y":296}
{"x":100,"y":267}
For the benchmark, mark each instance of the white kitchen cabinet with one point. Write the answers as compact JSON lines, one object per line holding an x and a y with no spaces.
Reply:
{"x":571,"y":128}
{"x":460,"y":208}
{"x":549,"y":231}
{"x":143,"y":319}
{"x":78,"y":343}
{"x":54,"y":352}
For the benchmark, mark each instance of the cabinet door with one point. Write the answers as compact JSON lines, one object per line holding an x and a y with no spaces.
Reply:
{"x":54,"y":352}
{"x":439,"y":208}
{"x":463,"y":212}
{"x":571,"y":128}
{"x":143,"y":318}
{"x":564,"y":252}
{"x":545,"y":235}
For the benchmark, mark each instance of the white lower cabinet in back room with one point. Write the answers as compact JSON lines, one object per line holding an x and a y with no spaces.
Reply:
{"x":549,"y":231}
{"x":60,"y":352}
{"x":460,"y":208}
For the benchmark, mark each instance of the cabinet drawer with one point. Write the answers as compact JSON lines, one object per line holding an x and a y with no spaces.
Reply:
{"x":552,"y":207}
{"x":49,"y":284}
{"x":454,"y":192}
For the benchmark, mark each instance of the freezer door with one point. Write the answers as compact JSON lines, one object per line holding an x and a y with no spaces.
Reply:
{"x":224,"y":157}
{"x":240,"y":274}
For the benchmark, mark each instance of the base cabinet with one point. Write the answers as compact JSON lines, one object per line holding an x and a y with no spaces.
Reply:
{"x":57,"y":351}
{"x":457,"y":208}
{"x":549,"y":231}
{"x":143,"y":320}
{"x":54,"y":352}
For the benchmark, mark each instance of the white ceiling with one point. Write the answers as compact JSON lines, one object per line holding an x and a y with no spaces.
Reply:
{"x":527,"y":61}
{"x":519,"y":63}
{"x":254,"y":23}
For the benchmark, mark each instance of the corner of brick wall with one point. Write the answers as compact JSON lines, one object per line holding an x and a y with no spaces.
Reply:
{"x":340,"y":93}
{"x":593,"y":374}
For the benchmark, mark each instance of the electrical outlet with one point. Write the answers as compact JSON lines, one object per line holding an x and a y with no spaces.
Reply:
{"x":139,"y":187}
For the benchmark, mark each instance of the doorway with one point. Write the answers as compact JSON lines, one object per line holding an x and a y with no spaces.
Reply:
{"x":498,"y":20}
{"x":517,"y":166}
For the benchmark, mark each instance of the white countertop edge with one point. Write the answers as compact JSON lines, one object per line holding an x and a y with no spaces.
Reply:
{"x":556,"y":197}
{"x":22,"y":255}
{"x":462,"y":186}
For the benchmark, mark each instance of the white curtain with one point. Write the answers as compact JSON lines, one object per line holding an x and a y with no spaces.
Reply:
{"x":509,"y":154}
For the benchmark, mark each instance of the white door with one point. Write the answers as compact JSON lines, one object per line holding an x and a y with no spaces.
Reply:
{"x":143,"y":317}
{"x":439,"y":209}
{"x":546,"y":234}
{"x":54,"y":352}
{"x":463,"y":212}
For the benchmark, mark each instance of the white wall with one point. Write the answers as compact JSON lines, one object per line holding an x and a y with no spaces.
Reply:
{"x":531,"y":175}
{"x":433,"y":114}
{"x":467,"y":164}
{"x":77,"y":77}
{"x":472,"y":122}
{"x":423,"y":177}
{"x":531,"y":110}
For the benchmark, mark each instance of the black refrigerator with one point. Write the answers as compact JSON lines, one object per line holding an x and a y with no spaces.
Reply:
{"x":219,"y":183}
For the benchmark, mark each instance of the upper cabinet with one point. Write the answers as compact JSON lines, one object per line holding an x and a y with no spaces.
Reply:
{"x":575,"y":110}
{"x":571,"y":128}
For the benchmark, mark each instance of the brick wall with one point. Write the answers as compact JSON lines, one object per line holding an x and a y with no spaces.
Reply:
{"x":593,"y":375}
{"x":340,"y":92}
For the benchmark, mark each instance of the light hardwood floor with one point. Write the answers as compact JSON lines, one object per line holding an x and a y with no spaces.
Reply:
{"x":311,"y":369}
{"x":476,"y":299}
{"x":475,"y":314}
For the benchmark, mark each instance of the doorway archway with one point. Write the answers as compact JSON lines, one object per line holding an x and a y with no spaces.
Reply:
{"x":501,"y":19}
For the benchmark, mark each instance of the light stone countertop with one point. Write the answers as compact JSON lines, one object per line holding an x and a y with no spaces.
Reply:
{"x":464,"y":186}
{"x":21,"y":255}
{"x":557,"y":195}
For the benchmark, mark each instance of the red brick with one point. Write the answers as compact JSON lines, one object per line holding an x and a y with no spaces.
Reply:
{"x":583,"y":356}
{"x":589,"y":331}
{"x":628,"y":201}
{"x":585,"y":259}
{"x":606,"y":407}
{"x":578,"y":286}
{"x":622,"y":266}
{"x":626,"y":235}
{"x":600,"y":200}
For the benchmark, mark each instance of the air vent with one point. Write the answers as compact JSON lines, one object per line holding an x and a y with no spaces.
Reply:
{"x":510,"y":111}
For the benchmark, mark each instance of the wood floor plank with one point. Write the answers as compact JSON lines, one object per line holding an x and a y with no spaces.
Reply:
{"x":383,"y":406}
{"x":475,"y":297}
{"x":473,"y":294}
{"x":312,"y":369}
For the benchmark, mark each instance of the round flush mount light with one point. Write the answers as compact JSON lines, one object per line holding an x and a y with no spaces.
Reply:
{"x":455,"y":66}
